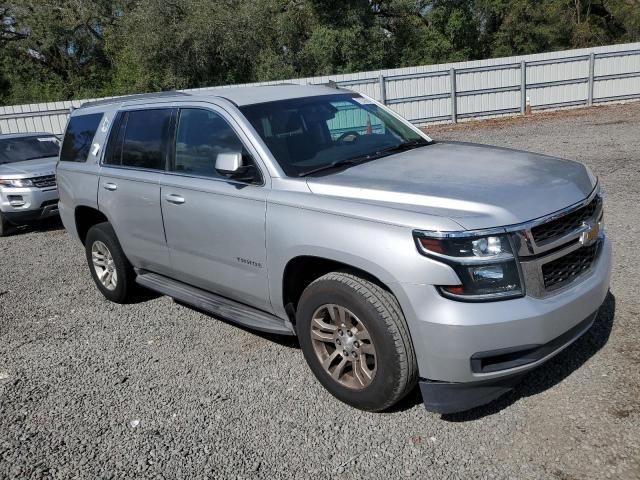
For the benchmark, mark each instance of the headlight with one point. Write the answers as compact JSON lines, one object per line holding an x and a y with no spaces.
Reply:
{"x":485,"y":264}
{"x":25,"y":182}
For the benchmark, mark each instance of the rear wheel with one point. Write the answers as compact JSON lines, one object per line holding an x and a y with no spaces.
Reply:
{"x":356,"y":341}
{"x":110,"y":269}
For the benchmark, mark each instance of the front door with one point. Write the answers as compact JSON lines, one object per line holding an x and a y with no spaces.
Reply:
{"x":214,"y":225}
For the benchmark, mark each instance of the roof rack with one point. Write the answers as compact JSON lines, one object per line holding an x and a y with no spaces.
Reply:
{"x":129,"y":98}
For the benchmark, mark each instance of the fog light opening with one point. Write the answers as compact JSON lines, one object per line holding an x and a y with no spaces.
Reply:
{"x":16,"y":200}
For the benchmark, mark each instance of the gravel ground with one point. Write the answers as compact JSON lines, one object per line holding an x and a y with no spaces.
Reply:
{"x":92,"y":389}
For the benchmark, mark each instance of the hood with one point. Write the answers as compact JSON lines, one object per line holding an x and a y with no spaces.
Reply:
{"x":476,"y":186}
{"x":29,"y":168}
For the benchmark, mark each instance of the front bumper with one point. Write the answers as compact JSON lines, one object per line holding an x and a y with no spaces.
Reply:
{"x":448,"y":335}
{"x":451,"y":397}
{"x":20,"y":205}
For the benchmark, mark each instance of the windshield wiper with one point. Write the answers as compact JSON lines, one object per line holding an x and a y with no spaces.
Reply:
{"x":401,"y":147}
{"x":347,"y":162}
{"x":38,"y":157}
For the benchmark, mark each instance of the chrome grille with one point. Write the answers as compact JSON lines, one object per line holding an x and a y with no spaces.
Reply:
{"x":558,"y":251}
{"x":568,"y":267}
{"x":44,"y":182}
{"x":559,"y":227}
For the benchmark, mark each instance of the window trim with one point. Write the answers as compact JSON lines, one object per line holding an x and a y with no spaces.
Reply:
{"x":114,"y":133}
{"x":220,"y":113}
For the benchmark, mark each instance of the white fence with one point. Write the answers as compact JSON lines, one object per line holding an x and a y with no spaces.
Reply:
{"x":449,"y":92}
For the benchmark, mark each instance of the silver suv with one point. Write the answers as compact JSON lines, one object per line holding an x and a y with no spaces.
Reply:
{"x":27,"y":178}
{"x":318,"y":212}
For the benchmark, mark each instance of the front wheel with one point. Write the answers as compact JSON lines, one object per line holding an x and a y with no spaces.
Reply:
{"x":356,"y":341}
{"x":110,"y":269}
{"x":4,"y":225}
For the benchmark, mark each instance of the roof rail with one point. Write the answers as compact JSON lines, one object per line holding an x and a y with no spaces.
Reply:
{"x":129,"y":98}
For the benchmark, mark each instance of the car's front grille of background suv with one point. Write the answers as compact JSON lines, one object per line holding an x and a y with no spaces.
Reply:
{"x":547,"y":232}
{"x":44,"y":182}
{"x":567,"y":268}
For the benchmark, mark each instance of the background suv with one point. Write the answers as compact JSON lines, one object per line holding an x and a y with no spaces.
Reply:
{"x":27,"y":178}
{"x":319,"y":212}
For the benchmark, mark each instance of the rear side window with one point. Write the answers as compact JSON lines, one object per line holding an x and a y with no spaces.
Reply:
{"x":78,"y":137}
{"x":141,"y":139}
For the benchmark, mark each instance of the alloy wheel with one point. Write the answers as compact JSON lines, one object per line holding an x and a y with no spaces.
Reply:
{"x":344,"y":346}
{"x":104,"y":265}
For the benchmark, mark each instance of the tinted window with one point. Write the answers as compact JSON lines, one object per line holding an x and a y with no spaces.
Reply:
{"x":28,"y":148}
{"x":201,"y":136}
{"x":143,"y":139}
{"x":113,"y":151}
{"x":78,"y":137}
{"x":305,"y":134}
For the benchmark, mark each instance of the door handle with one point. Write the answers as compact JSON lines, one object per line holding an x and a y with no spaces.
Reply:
{"x":175,"y":199}
{"x":110,"y":186}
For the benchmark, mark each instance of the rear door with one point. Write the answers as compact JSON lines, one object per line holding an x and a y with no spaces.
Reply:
{"x":215,"y":226}
{"x":129,"y":187}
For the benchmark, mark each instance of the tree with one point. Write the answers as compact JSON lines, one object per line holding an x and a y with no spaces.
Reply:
{"x":57,"y":49}
{"x":87,"y":48}
{"x":431,"y":31}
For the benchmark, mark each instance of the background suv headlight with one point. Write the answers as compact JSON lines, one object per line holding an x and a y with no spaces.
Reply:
{"x":485,"y":264}
{"x":25,"y":182}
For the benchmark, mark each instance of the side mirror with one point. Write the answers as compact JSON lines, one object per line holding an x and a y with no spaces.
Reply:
{"x":229,"y":163}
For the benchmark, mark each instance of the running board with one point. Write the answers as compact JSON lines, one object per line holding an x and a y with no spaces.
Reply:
{"x":220,"y":306}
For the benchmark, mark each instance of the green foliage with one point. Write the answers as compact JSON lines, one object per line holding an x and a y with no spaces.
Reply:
{"x":89,"y":48}
{"x":546,"y":22}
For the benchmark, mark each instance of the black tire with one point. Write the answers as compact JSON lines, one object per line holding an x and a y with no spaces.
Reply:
{"x":4,"y":225}
{"x":125,"y":285}
{"x":379,"y":312}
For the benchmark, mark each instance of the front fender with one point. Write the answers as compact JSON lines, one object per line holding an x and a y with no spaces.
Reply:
{"x":385,"y":251}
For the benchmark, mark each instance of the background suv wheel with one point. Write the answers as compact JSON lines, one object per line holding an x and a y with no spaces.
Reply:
{"x":356,"y":341}
{"x":4,"y":225}
{"x":110,"y":269}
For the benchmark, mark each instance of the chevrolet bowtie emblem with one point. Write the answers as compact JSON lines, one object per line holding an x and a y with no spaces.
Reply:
{"x":590,"y":235}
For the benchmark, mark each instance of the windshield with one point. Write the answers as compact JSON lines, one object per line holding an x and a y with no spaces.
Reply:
{"x":313,"y":134}
{"x":19,"y":149}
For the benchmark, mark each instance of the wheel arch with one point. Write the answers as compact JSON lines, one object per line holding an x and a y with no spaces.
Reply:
{"x":303,"y":269}
{"x":86,"y":217}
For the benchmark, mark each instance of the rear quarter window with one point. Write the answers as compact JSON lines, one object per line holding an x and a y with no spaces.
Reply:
{"x":78,"y":137}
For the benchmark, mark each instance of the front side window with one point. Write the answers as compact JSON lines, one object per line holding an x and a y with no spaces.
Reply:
{"x":313,"y":134}
{"x":141,"y":140}
{"x":78,"y":137}
{"x":201,"y":136}
{"x":21,"y":149}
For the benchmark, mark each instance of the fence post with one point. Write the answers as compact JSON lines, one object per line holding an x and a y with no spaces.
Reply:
{"x":592,"y":63}
{"x":523,"y":87}
{"x":383,"y":90}
{"x":454,"y":102}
